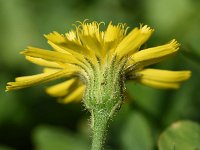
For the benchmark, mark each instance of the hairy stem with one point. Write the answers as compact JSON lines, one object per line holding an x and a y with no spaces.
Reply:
{"x":99,"y":124}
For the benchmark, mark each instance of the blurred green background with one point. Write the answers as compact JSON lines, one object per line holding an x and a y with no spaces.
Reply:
{"x":32,"y":120}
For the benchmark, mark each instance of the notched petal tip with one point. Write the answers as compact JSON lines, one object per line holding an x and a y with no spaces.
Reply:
{"x":55,"y":37}
{"x":146,"y":29}
{"x":27,"y":81}
{"x":7,"y":88}
{"x":10,"y":86}
{"x":134,"y":40}
{"x":174,"y":44}
{"x":28,"y":49}
{"x":156,"y":54}
{"x":187,"y":74}
{"x":23,"y":52}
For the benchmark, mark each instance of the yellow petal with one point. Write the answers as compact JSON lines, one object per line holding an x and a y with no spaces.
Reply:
{"x":162,"y":78}
{"x":61,"y":89}
{"x":65,"y":48}
{"x":159,"y":85}
{"x":91,"y":29}
{"x":133,"y":41}
{"x":50,"y":70}
{"x":72,"y":53}
{"x":58,"y":48}
{"x":69,"y":47}
{"x":113,"y":35}
{"x":114,"y":32}
{"x":64,"y":43}
{"x":56,"y":37}
{"x":31,"y":77}
{"x":45,"y":63}
{"x":92,"y":44}
{"x":50,"y":55}
{"x":71,"y":36}
{"x":153,"y":55}
{"x":27,"y":81}
{"x":75,"y":95}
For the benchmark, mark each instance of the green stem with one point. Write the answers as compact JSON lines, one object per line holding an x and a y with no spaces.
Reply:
{"x":100,"y":121}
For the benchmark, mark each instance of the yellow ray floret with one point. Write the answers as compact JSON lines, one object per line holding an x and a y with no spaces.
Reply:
{"x":27,"y":81}
{"x":61,"y":89}
{"x":155,"y":54}
{"x":50,"y":55}
{"x":87,"y":51}
{"x":163,"y":79}
{"x":45,"y":63}
{"x":75,"y":95}
{"x":113,"y":32}
{"x":132,"y":42}
{"x":62,"y":43}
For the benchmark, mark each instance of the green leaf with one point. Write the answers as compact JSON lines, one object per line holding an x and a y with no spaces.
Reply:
{"x":136,"y":133}
{"x":52,"y":138}
{"x":182,"y":135}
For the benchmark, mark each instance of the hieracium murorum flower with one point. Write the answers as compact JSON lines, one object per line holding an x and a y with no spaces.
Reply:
{"x":96,"y":64}
{"x":86,"y":53}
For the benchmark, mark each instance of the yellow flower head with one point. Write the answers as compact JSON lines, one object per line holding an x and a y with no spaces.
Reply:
{"x":85,"y":52}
